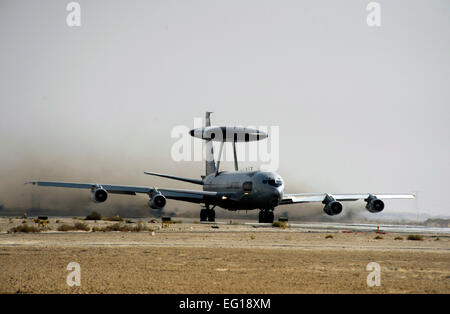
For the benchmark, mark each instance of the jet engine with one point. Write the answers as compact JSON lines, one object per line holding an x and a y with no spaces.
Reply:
{"x":158,"y":201}
{"x":374,"y":205}
{"x":99,"y":195}
{"x":332,"y":207}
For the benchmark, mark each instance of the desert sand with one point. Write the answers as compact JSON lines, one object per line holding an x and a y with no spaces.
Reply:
{"x":229,"y":258}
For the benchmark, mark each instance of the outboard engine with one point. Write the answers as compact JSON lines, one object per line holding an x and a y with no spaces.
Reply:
{"x":374,"y":204}
{"x":157,"y":201}
{"x":332,"y":207}
{"x":99,"y":195}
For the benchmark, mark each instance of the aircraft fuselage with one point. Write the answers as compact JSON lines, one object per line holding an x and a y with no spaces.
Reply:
{"x":255,"y":189}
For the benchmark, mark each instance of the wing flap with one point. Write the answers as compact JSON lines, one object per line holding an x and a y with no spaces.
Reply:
{"x":115,"y":189}
{"x":192,"y":196}
{"x":319,"y":197}
{"x":302,"y":198}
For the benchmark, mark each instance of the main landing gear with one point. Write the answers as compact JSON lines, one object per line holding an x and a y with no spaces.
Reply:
{"x":208,"y":214}
{"x":266,"y":216}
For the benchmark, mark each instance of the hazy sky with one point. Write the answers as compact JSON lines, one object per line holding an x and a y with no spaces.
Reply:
{"x":360,"y":109}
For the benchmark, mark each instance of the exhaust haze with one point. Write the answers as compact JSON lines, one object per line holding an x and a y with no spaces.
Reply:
{"x":360,"y":109}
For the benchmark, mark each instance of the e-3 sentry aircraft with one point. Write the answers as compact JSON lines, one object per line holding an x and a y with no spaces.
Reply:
{"x":232,"y":190}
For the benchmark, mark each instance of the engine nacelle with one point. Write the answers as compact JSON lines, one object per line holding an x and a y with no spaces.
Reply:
{"x":332,"y":207}
{"x":99,"y":195}
{"x":158,"y":201}
{"x":374,"y":204}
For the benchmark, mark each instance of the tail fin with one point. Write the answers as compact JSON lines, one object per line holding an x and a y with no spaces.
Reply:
{"x":210,"y":164}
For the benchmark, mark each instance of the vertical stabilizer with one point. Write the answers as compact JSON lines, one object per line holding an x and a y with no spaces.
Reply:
{"x":210,"y":164}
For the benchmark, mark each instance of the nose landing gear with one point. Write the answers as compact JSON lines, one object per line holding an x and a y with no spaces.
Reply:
{"x":266,"y":216}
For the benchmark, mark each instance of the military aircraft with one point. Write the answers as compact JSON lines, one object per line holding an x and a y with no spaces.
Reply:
{"x":231,"y":190}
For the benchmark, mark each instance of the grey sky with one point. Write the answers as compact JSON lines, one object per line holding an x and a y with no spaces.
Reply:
{"x":359,"y":108}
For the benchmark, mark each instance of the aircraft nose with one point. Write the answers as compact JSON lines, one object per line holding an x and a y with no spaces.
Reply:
{"x":276,"y":197}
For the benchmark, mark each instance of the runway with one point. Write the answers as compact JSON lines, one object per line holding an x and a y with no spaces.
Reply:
{"x":241,"y":257}
{"x":357,"y":227}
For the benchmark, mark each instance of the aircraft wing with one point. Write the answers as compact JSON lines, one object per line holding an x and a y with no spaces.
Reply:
{"x":192,"y":196}
{"x":320,"y":197}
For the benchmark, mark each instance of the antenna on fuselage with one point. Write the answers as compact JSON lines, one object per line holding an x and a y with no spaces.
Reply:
{"x":218,"y":160}
{"x":235,"y":156}
{"x":236,"y":166}
{"x":224,"y":134}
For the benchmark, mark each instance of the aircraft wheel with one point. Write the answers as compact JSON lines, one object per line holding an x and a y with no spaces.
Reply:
{"x":211,"y":215}
{"x":265,"y":216}
{"x":203,"y":215}
{"x":262,"y":216}
{"x":269,"y":216}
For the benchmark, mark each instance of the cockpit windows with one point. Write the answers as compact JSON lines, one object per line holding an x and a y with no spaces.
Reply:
{"x":273,"y":182}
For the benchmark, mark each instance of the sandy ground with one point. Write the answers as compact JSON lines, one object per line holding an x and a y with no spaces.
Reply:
{"x":196,"y":258}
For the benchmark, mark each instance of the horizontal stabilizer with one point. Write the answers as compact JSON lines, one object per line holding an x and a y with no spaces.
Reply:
{"x":195,"y":181}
